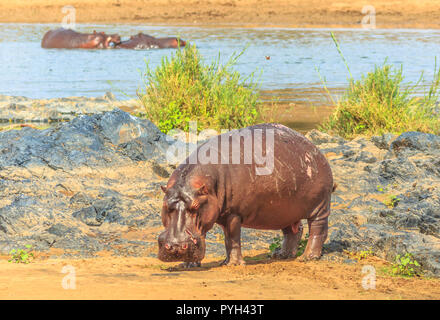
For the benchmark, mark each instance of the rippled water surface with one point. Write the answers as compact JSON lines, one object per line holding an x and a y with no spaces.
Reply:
{"x":295,"y":54}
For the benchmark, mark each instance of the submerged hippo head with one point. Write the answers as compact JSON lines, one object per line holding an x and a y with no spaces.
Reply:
{"x":112,"y":40}
{"x":103,"y":41}
{"x":189,"y":211}
{"x":171,"y":43}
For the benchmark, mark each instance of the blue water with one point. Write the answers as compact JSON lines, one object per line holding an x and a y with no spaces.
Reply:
{"x":295,"y":54}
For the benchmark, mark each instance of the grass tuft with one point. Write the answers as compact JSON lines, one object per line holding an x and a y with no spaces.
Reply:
{"x":380,"y":103}
{"x":184,"y":88}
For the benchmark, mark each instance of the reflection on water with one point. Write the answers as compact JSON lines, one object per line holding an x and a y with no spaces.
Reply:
{"x":295,"y":54}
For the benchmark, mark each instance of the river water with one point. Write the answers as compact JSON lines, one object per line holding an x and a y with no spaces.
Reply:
{"x":295,"y":56}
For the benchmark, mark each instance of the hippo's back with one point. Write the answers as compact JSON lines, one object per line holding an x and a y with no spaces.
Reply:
{"x":59,"y":38}
{"x":280,"y":177}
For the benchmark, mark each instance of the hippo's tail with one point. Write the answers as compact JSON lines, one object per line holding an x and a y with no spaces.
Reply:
{"x":335,"y":185}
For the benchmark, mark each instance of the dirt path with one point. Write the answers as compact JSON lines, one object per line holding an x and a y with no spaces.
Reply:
{"x":145,"y":278}
{"x":220,"y":13}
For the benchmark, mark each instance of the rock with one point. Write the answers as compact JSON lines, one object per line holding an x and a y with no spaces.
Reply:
{"x":349,"y":261}
{"x":318,"y":137}
{"x":365,"y":156}
{"x":410,"y":142}
{"x":391,"y":206}
{"x":383,"y":141}
{"x":44,"y":111}
{"x":400,"y":169}
{"x":58,"y":185}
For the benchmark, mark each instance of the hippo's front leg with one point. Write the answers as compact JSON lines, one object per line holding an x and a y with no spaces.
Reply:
{"x":232,"y":230}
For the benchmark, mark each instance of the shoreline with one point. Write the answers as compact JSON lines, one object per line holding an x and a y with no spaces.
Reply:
{"x":397,"y":14}
{"x":21,"y":111}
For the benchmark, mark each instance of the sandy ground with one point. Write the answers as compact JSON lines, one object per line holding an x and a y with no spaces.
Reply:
{"x":147,"y":278}
{"x":220,"y":13}
{"x":109,"y":277}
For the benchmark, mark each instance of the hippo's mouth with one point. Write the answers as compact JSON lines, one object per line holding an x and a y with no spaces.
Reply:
{"x":195,"y":255}
{"x":191,"y":250}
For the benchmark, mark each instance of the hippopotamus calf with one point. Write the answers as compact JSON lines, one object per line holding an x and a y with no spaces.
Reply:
{"x":234,"y":181}
{"x":68,"y":39}
{"x":143,"y":41}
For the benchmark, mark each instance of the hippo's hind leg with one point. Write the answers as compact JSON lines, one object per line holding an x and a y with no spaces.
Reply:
{"x":292,"y":237}
{"x":318,"y":227}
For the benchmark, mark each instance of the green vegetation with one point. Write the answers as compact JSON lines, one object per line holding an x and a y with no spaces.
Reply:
{"x":406,"y":266}
{"x":276,"y":244}
{"x":21,"y":255}
{"x":379,"y":103}
{"x":184,"y":88}
{"x":302,"y":245}
{"x":392,"y":201}
{"x":361,"y":255}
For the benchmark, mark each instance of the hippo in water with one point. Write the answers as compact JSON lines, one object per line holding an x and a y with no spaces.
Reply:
{"x":234,"y":190}
{"x":143,"y":41}
{"x":69,"y":39}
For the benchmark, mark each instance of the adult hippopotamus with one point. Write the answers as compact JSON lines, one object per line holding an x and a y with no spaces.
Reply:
{"x":233,"y":189}
{"x":143,"y":41}
{"x":69,"y":39}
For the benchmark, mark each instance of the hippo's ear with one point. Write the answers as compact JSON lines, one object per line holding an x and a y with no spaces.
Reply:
{"x":164,"y":188}
{"x":203,"y":190}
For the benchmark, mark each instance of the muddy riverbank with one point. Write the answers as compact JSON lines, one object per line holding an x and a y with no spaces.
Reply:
{"x":16,"y":112}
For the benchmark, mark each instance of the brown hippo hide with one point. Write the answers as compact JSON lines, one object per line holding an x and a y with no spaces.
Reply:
{"x":143,"y":41}
{"x":69,"y":39}
{"x":272,"y":178}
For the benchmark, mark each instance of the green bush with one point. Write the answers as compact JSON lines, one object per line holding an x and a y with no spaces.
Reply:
{"x":406,"y":266}
{"x":21,"y":255}
{"x":184,"y":88}
{"x":380,"y":103}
